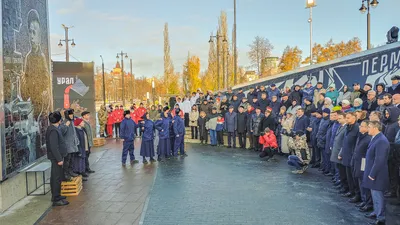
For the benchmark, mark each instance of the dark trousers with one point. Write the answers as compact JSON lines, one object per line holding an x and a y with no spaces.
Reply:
{"x":220,"y":137}
{"x":251,"y":140}
{"x":343,"y":176}
{"x":68,"y":164}
{"x":204,"y":137}
{"x":232,"y":136}
{"x":256,"y":143}
{"x":365,"y":193}
{"x":172,"y":141}
{"x":242,"y":139}
{"x":393,"y":164}
{"x":316,"y":153}
{"x":127,"y":147}
{"x":195,"y":132}
{"x":179,"y":144}
{"x":350,"y":180}
{"x":56,"y":177}
{"x":87,"y":160}
{"x":117,"y":125}
{"x":186,"y":119}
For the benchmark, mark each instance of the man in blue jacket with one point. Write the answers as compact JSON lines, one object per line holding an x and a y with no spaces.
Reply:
{"x":321,"y":136}
{"x":231,"y":126}
{"x":313,"y":129}
{"x":127,"y":133}
{"x":376,"y":175}
{"x":179,"y":131}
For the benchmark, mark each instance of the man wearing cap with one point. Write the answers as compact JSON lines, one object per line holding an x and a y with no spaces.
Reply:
{"x":86,"y":118}
{"x":302,"y":122}
{"x":269,"y":120}
{"x":296,"y":94}
{"x":380,"y":89}
{"x":205,"y":107}
{"x":229,"y":94}
{"x":395,"y":88}
{"x":231,"y":126}
{"x":127,"y":133}
{"x":263,"y":102}
{"x":255,"y":125}
{"x":285,"y":101}
{"x":259,"y":93}
{"x":308,"y":106}
{"x":332,"y":94}
{"x":240,"y":94}
{"x":235,"y":103}
{"x":308,"y":91}
{"x":273,"y":91}
{"x":365,"y":90}
{"x":56,"y":151}
{"x":251,"y":94}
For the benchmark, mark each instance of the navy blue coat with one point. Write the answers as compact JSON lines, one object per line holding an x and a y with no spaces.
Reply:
{"x":301,"y":124}
{"x":127,"y":130}
{"x":148,"y":133}
{"x":322,"y":130}
{"x":276,"y":106}
{"x":179,"y":126}
{"x":263,"y":103}
{"x":163,"y":127}
{"x":349,"y":143}
{"x":335,"y":127}
{"x":360,"y":152}
{"x":235,"y":104}
{"x":249,"y":116}
{"x":250,"y":96}
{"x":328,"y":137}
{"x":240,"y":96}
{"x":376,"y":165}
{"x":230,"y":122}
{"x":314,"y":124}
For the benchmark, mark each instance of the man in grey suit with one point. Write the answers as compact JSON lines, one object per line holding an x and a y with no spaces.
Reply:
{"x":340,"y":171}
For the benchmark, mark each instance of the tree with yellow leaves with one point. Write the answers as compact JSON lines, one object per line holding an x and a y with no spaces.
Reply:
{"x":291,"y":59}
{"x":330,"y":51}
{"x":191,"y":73}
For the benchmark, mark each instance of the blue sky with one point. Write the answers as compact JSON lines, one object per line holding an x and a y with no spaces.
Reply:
{"x":104,"y":27}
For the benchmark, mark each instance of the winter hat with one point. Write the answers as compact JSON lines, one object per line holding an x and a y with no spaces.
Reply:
{"x":269,"y":109}
{"x":231,"y":106}
{"x":368,"y":84}
{"x":346,"y":102}
{"x":67,"y":113}
{"x":85,"y":113}
{"x":78,"y":121}
{"x":314,"y":110}
{"x":327,"y":111}
{"x":126,"y":112}
{"x":299,"y":133}
{"x":336,"y":108}
{"x":55,"y":117}
{"x":166,"y":108}
{"x":395,"y":77}
{"x":273,"y":85}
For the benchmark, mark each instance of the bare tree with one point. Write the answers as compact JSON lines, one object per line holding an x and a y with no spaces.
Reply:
{"x":259,"y":50}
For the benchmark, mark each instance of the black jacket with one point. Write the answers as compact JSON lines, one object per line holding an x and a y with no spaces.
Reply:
{"x":241,"y":122}
{"x":56,"y":148}
{"x":269,"y":122}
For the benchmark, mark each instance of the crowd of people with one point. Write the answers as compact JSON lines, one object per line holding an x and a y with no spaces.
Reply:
{"x":69,"y":141}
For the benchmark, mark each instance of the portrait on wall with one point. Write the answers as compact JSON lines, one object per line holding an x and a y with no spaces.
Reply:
{"x":27,"y":82}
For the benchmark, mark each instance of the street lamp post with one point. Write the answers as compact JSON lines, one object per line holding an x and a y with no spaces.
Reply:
{"x":310,"y":4}
{"x":66,"y":40}
{"x":363,"y":9}
{"x":217,"y":37}
{"x":132,"y":87}
{"x":104,"y":82}
{"x":122,"y":54}
{"x":152,"y":90}
{"x":235,"y":45}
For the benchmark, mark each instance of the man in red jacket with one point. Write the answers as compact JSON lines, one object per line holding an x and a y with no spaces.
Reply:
{"x":118,"y":116}
{"x":269,"y":142}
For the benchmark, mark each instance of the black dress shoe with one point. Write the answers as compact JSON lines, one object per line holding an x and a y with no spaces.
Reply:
{"x":85,"y":175}
{"x":355,"y":199}
{"x":90,"y":171}
{"x":378,"y":222}
{"x":369,"y":216}
{"x":366,"y":209}
{"x":315,"y":166}
{"x":73,"y":174}
{"x":360,"y":205}
{"x":61,"y":202}
{"x":348,"y":195}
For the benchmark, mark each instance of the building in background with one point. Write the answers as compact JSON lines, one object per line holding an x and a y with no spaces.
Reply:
{"x":251,"y":75}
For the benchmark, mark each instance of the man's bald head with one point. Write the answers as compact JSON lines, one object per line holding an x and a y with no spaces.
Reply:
{"x":396,"y":99}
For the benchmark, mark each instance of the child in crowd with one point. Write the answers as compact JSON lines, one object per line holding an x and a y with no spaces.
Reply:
{"x":163,"y":126}
{"x":220,"y":130}
{"x":147,"y":146}
{"x":299,"y":146}
{"x":269,"y":142}
{"x":202,"y":128}
{"x":193,"y":117}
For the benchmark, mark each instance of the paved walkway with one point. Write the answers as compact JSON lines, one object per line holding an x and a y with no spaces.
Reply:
{"x":212,"y":186}
{"x":113,"y":195}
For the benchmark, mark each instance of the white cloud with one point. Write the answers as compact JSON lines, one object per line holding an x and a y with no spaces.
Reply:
{"x":74,"y":6}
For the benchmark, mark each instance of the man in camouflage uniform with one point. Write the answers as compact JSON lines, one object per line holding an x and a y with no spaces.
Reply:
{"x":102,"y":115}
{"x":298,"y":145}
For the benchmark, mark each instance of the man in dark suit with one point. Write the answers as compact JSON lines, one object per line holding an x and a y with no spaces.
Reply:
{"x":395,"y":88}
{"x":56,"y":151}
{"x":376,"y":175}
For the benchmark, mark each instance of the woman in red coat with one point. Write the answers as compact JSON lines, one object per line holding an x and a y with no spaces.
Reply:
{"x":269,"y":142}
